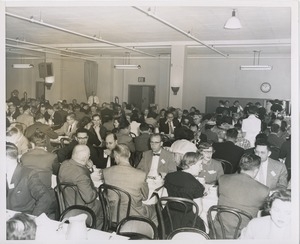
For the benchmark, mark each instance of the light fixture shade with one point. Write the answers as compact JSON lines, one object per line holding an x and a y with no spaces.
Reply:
{"x":49,"y":79}
{"x":127,"y":66}
{"x":256,"y":67}
{"x":22,"y":66}
{"x":233,"y":23}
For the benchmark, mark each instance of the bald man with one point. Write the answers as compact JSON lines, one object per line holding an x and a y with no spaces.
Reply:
{"x":76,"y":171}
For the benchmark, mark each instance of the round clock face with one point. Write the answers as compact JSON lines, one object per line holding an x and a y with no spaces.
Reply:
{"x":265,"y":87}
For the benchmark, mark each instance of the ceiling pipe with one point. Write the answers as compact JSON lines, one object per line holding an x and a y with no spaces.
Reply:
{"x":35,"y":50}
{"x":181,"y":31}
{"x":44,"y":46}
{"x":32,"y":20}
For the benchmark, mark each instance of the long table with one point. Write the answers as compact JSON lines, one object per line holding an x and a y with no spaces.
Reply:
{"x":48,"y":230}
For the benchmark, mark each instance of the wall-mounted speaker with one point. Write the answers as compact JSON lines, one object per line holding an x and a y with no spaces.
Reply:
{"x":45,"y":69}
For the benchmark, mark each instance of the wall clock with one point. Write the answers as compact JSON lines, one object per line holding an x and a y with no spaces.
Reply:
{"x":265,"y":87}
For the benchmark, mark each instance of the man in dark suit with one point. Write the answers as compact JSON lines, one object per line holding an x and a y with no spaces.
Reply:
{"x":241,"y":191}
{"x":45,"y":163}
{"x":106,"y":158}
{"x":157,"y":161}
{"x":40,"y":125}
{"x":272,"y":173}
{"x":141,"y":142}
{"x":25,"y":192}
{"x":168,"y":124}
{"x":228,"y":150}
{"x":273,"y":138}
{"x":81,"y":138}
{"x":98,"y":129}
{"x":76,"y":171}
{"x":53,"y":118}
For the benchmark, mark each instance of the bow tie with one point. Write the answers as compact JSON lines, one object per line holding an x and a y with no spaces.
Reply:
{"x":156,"y":154}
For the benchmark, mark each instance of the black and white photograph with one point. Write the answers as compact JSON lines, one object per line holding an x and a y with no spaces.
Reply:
{"x":150,"y":120}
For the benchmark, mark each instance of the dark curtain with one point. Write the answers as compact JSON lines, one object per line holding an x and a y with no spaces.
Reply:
{"x":90,"y":77}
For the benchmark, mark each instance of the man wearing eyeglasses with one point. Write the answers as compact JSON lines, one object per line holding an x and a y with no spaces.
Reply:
{"x":81,"y":138}
{"x":157,"y":162}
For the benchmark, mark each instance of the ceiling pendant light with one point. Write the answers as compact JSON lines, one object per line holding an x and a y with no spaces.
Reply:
{"x":233,"y":23}
{"x":256,"y":66}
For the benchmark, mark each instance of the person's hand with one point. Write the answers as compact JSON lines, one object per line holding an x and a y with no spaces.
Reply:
{"x":107,"y":152}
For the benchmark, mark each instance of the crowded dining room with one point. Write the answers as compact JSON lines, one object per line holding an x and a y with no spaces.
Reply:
{"x":150,"y":120}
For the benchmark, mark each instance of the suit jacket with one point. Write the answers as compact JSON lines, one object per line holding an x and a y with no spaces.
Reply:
{"x":142,"y":142}
{"x":29,"y":195}
{"x":276,"y":175}
{"x":57,"y":120}
{"x":126,"y":139}
{"x":242,"y":192}
{"x":64,"y":130}
{"x":164,"y":126}
{"x":275,"y":140}
{"x":102,"y":162}
{"x":101,"y":130}
{"x":45,"y":163}
{"x":166,"y":163}
{"x":26,"y":119}
{"x":66,"y":152}
{"x":229,"y":151}
{"x":134,"y":182}
{"x":73,"y":172}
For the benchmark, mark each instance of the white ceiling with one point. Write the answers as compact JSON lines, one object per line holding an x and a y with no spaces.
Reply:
{"x":264,"y":28}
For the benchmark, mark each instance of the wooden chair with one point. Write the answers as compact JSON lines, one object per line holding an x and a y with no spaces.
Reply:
{"x":188,"y":233}
{"x":137,"y":228}
{"x":227,"y":166}
{"x":184,"y":205}
{"x":220,"y":213}
{"x":111,"y":198}
{"x":79,"y":209}
{"x":64,"y":188}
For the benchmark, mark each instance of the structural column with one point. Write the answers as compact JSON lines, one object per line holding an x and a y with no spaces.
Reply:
{"x":177,"y":75}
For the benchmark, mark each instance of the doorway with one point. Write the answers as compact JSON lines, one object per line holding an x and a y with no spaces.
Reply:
{"x":40,"y":90}
{"x":141,"y":96}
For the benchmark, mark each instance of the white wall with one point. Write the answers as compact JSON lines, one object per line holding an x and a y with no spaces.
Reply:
{"x":222,"y":77}
{"x":203,"y":77}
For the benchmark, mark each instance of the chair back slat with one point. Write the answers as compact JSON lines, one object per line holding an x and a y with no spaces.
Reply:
{"x":79,"y":209}
{"x":137,"y":227}
{"x":227,"y":166}
{"x":183,"y":205}
{"x":218,"y":211}
{"x":111,"y":206}
{"x":188,"y":233}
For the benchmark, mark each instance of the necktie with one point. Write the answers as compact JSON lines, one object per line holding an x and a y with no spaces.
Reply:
{"x":70,"y":128}
{"x":170,"y":128}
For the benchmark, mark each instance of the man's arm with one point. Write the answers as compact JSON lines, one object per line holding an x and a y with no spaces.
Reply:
{"x":86,"y":188}
{"x":283,"y":175}
{"x":65,"y":152}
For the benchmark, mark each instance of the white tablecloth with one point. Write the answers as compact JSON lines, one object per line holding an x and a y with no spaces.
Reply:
{"x":47,"y":230}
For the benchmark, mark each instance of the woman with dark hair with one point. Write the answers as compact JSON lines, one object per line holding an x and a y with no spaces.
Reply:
{"x":184,"y":184}
{"x":20,"y":227}
{"x":276,"y":225}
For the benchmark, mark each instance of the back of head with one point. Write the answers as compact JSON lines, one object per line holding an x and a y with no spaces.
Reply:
{"x":275,"y":128}
{"x":252,"y":109}
{"x":81,"y":153}
{"x":249,"y":162}
{"x":11,"y":150}
{"x":232,"y":133}
{"x":20,"y":227}
{"x":189,"y":159}
{"x":39,"y":139}
{"x":122,"y":150}
{"x":281,"y":194}
{"x":124,"y":124}
{"x":39,"y":116}
{"x":144,"y":127}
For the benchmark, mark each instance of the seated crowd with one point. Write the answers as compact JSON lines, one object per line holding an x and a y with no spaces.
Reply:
{"x":245,"y":152}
